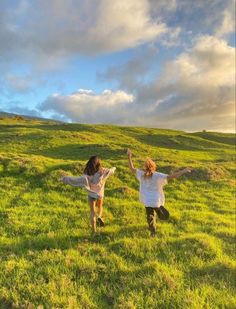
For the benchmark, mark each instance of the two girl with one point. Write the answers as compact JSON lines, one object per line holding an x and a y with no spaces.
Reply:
{"x":151,"y":188}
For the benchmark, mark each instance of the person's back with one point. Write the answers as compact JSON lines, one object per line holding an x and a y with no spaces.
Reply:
{"x":151,"y":188}
{"x":93,"y":180}
{"x":97,"y":181}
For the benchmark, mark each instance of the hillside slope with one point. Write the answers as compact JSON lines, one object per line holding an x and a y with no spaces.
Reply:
{"x":11,"y":117}
{"x":47,"y":255}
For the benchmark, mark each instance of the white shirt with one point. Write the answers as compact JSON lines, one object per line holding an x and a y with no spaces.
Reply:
{"x":98,"y":180}
{"x":151,"y":188}
{"x":93,"y":184}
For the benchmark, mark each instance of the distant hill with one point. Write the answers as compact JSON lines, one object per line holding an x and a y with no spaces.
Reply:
{"x":13,"y":115}
{"x":4,"y":114}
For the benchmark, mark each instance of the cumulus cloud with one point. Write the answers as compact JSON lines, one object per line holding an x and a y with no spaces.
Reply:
{"x":60,"y":28}
{"x":44,"y":33}
{"x":194,"y":92}
{"x":87,"y":107}
{"x":196,"y":17}
{"x":227,"y":22}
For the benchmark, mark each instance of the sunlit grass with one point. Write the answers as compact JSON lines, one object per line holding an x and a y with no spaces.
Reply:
{"x":48,"y":258}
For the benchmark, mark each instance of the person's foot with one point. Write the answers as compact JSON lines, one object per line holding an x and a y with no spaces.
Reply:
{"x":152,"y":231}
{"x":100,"y":222}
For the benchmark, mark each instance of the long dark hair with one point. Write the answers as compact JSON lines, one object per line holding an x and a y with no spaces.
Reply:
{"x":92,"y":166}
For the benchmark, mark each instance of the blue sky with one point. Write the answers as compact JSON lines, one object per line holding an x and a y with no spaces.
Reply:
{"x":167,"y":64}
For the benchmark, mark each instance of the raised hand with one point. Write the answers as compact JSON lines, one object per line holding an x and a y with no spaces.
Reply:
{"x":129,"y":153}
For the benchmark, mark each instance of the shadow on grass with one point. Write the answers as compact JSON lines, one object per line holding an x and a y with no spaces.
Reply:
{"x":177,"y":142}
{"x":64,"y":242}
{"x":40,"y":243}
{"x":3,"y":216}
{"x":5,"y":127}
{"x":223,"y":138}
{"x":51,"y":126}
{"x":5,"y":303}
{"x":66,"y":127}
{"x":131,"y":231}
{"x":215,"y":274}
{"x":81,"y":152}
{"x":162,"y":249}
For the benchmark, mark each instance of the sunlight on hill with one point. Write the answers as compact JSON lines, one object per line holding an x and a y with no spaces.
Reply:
{"x":48,"y":258}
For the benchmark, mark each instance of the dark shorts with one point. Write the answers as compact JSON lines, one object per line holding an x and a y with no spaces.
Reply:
{"x":94,"y":199}
{"x":162,"y":212}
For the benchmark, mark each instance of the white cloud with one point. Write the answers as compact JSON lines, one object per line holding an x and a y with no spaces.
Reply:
{"x":123,"y":24}
{"x":227,"y":24}
{"x":198,"y":84}
{"x":44,"y":33}
{"x":194,"y":92}
{"x":88,"y":107}
{"x":212,"y":17}
{"x":210,"y":61}
{"x":60,"y":28}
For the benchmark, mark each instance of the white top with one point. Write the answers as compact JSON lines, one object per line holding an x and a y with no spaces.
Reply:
{"x":98,"y":180}
{"x":151,"y":188}
{"x":93,"y":184}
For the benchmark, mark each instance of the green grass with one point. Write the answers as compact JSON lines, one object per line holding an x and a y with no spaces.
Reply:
{"x":48,"y":259}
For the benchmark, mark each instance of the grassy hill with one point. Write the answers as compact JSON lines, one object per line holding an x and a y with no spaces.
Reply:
{"x":11,"y":116}
{"x":48,"y":259}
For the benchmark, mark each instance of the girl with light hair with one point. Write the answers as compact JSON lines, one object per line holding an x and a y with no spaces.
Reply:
{"x":151,"y":189}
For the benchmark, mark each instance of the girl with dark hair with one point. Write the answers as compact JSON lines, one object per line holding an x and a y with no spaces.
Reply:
{"x":151,"y":189}
{"x":93,"y":181}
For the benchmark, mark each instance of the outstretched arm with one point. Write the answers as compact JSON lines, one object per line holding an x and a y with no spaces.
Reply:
{"x":74,"y":181}
{"x":130,"y":162}
{"x":108,"y":172}
{"x":179,"y":173}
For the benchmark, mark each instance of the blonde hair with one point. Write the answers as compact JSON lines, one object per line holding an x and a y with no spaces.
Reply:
{"x":149,"y":168}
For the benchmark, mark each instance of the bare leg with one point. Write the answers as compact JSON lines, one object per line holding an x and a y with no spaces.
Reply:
{"x":92,"y":215}
{"x":100,"y":207}
{"x":100,"y":221}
